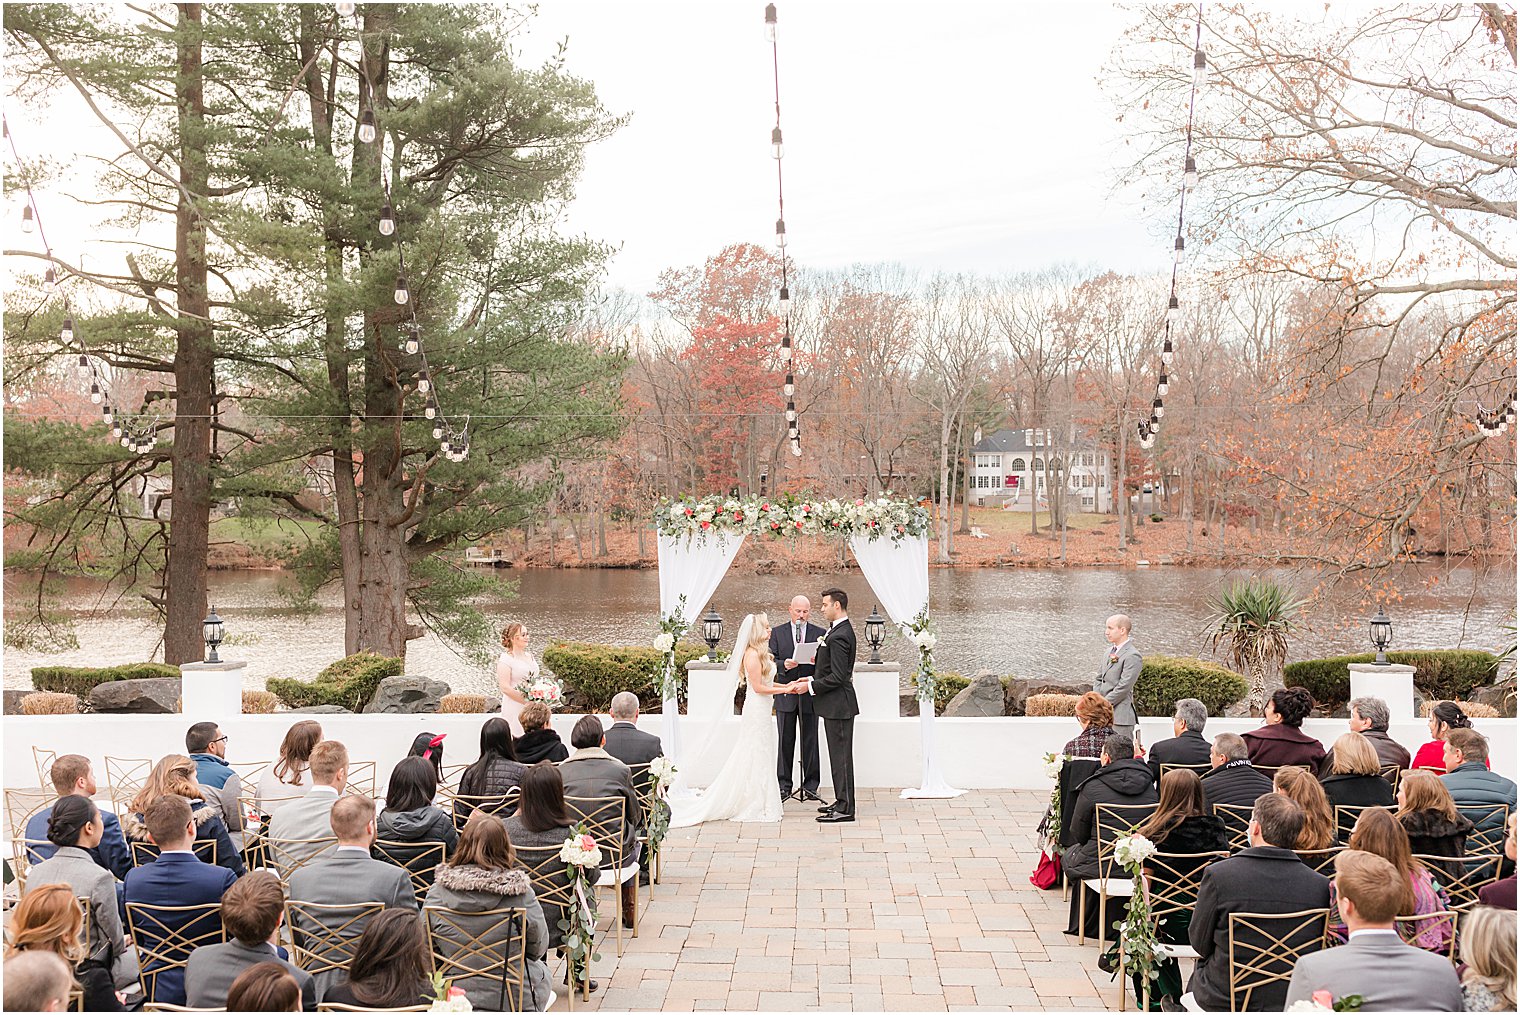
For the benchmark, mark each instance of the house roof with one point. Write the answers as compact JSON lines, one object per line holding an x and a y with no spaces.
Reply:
{"x":1018,"y":441}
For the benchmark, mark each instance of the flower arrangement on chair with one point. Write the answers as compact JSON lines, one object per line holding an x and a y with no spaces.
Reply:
{"x":583,"y":861}
{"x":447,"y":997}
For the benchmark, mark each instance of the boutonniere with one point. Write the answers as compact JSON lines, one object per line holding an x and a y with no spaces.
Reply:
{"x":823,"y":641}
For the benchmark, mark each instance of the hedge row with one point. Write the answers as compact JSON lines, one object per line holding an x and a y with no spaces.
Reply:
{"x":592,"y":674}
{"x":1164,"y":679}
{"x":350,"y":682}
{"x":81,"y":680}
{"x":1440,"y":673}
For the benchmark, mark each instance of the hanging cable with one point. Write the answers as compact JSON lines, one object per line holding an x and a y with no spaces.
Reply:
{"x":784,"y":301}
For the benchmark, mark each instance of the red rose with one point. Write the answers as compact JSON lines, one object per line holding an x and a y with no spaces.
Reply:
{"x":707,"y":525}
{"x":689,"y":512}
{"x":799,"y":525}
{"x":765,"y":507}
{"x":738,"y":516}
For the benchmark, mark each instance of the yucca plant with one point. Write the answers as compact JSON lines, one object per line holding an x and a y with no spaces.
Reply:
{"x":1253,"y":620}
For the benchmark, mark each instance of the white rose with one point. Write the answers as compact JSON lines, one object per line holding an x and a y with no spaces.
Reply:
{"x":930,"y":641}
{"x":664,"y":641}
{"x":677,"y":511}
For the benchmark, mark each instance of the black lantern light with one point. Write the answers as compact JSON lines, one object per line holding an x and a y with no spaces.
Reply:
{"x":876,"y":633}
{"x":1381,"y":630}
{"x":712,"y":633}
{"x":212,"y":629}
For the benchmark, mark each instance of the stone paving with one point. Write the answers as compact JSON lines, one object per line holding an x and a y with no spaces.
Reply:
{"x":919,"y":905}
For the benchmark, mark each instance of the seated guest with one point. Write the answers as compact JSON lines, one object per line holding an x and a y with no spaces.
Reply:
{"x":592,"y":772}
{"x":1120,"y":779}
{"x":629,"y":744}
{"x":1181,"y":825}
{"x":71,"y":775}
{"x":1472,"y":785}
{"x":1351,"y":778}
{"x":486,"y":782}
{"x":39,"y":981}
{"x":430,"y":747}
{"x":1282,"y":741}
{"x":1187,"y":746}
{"x":1488,"y":952}
{"x":252,"y":911}
{"x":484,"y":875}
{"x":1097,"y":718}
{"x":174,"y":776}
{"x":267,"y":986}
{"x":391,"y":965}
{"x":176,"y":878}
{"x":1369,"y":717}
{"x":74,"y":829}
{"x":410,"y":825}
{"x":48,"y":921}
{"x":303,"y":828}
{"x":1374,"y":963}
{"x":1430,"y":819}
{"x":1318,"y":831}
{"x":286,"y":781}
{"x":220,"y":785}
{"x":1233,"y":780}
{"x":1445,"y":716}
{"x":1267,"y":877}
{"x":539,"y":741}
{"x":1380,"y":833}
{"x":1501,"y":894}
{"x":349,"y":877}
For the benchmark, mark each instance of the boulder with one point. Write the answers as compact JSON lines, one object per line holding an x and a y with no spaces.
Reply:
{"x":13,"y":699}
{"x":407,"y":694}
{"x":907,"y":703}
{"x":323,"y":710}
{"x":982,"y":697}
{"x":155,"y":694}
{"x":1500,"y":696}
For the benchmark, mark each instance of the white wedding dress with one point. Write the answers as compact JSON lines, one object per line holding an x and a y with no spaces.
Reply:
{"x":745,"y":788}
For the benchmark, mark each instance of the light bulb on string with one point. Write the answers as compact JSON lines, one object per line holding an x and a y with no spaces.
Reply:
{"x":770,"y":22}
{"x":116,"y":428}
{"x":776,"y":142}
{"x":367,"y":132}
{"x":1157,"y":408}
{"x":96,"y":395}
{"x":28,"y":221}
{"x":424,"y":384}
{"x":345,"y":10}
{"x":790,"y":387}
{"x":1509,"y":414}
{"x":791,"y":412}
{"x":84,"y":363}
{"x":437,"y":429}
{"x":784,"y":305}
{"x":1166,"y":352}
{"x":50,"y":277}
{"x":387,"y":220}
{"x":796,"y":448}
{"x":67,"y":335}
{"x":1154,"y":424}
{"x":412,"y":343}
{"x":430,"y":410}
{"x":1173,"y":310}
{"x":781,"y":233}
{"x":1161,"y":384}
{"x":402,"y":294}
{"x":1189,"y":173}
{"x":446,"y":447}
{"x":105,"y":414}
{"x":1200,"y":67}
{"x":1177,"y":248}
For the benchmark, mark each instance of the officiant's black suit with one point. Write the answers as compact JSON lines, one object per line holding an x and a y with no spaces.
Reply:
{"x":834,"y":701}
{"x":793,"y":710}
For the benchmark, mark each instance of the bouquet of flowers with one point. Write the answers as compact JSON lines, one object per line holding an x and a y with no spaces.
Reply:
{"x":1051,"y":826}
{"x":546,"y":689}
{"x":920,"y":631}
{"x":1323,"y":1000}
{"x":672,"y":626}
{"x":1133,"y":850}
{"x":447,"y":998}
{"x":663,"y":771}
{"x":1138,"y":931}
{"x":581,"y":850}
{"x":582,"y":858}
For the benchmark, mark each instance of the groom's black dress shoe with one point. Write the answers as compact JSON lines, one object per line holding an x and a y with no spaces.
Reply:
{"x":833,"y":817}
{"x":826,"y":809}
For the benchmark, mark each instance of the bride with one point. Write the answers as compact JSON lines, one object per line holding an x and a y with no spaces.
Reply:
{"x":745,"y":789}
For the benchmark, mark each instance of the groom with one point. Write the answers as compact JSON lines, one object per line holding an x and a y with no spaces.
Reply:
{"x":833,"y":689}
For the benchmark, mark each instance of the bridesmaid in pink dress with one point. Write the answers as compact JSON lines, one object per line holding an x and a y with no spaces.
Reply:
{"x":514,"y":670}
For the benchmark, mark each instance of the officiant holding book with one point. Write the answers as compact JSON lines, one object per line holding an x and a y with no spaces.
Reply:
{"x":793,"y":644}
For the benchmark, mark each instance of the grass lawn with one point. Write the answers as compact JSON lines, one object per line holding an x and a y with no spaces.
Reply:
{"x":264,"y":534}
{"x":995,"y":521}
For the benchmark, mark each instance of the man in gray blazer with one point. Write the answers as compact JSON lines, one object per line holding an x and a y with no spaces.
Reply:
{"x":298,"y":822}
{"x":1121,"y":668}
{"x":251,"y":912}
{"x":1375,"y":962}
{"x":348,"y":878}
{"x":592,"y":772}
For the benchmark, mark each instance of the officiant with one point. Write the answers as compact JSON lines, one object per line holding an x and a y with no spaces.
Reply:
{"x":793,"y":710}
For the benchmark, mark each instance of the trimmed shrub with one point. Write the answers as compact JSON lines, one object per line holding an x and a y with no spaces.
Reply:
{"x":1051,"y":704}
{"x":462,"y":703}
{"x":947,"y":686}
{"x":1443,"y":674}
{"x":259,"y":702}
{"x":81,"y":680}
{"x":50,"y":703}
{"x":592,"y":674}
{"x":1471,"y":709}
{"x":350,"y":682}
{"x":1164,"y":679}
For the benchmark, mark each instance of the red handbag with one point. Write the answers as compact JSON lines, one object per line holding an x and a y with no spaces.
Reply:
{"x":1047,"y":873}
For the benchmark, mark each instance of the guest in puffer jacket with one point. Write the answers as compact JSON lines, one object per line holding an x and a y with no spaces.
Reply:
{"x":485,"y":784}
{"x":539,"y":741}
{"x":410,"y":826}
{"x":1472,"y":785}
{"x":483,"y":876}
{"x":1123,"y":779}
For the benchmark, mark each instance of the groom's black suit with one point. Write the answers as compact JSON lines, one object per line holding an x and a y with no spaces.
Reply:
{"x":834,"y":700}
{"x":793,"y":710}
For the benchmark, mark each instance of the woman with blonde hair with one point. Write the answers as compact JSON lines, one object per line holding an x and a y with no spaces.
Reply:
{"x":515,"y":670}
{"x":1353,"y":779}
{"x":286,"y":779}
{"x":1488,"y":950}
{"x":1097,"y":718}
{"x":174,"y":775}
{"x":1430,"y":818}
{"x":48,"y":919}
{"x":1319,"y":821}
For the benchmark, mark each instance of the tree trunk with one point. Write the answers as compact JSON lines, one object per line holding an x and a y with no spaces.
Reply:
{"x":1258,"y":699}
{"x":1121,"y":494}
{"x":965,"y":492}
{"x":194,"y":364}
{"x":943,"y":556}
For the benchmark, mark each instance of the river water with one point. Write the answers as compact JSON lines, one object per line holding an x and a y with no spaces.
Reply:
{"x":1022,"y":621}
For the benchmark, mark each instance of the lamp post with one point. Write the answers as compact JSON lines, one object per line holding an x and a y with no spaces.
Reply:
{"x":876,"y":633}
{"x":712,"y":633}
{"x":1381,"y":630}
{"x":211,"y":629}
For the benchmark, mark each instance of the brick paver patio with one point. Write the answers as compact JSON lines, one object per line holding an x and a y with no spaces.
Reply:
{"x":919,"y":905}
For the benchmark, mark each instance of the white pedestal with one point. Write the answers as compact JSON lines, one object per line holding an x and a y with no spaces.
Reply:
{"x":876,"y":690}
{"x":709,"y":692}
{"x":211,"y":692}
{"x":1393,"y":683}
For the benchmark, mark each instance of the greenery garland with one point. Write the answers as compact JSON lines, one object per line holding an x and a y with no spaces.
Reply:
{"x":789,"y":515}
{"x":1137,"y":934}
{"x":920,"y":631}
{"x":672,"y":626}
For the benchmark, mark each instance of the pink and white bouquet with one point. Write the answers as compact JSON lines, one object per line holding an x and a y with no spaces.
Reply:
{"x":546,"y":689}
{"x":581,"y":851}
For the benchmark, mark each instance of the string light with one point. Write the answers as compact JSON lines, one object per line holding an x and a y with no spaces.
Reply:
{"x":784,"y":302}
{"x":1157,"y":408}
{"x":1173,"y":310}
{"x":66,"y":335}
{"x":781,"y":233}
{"x":1499,"y":420}
{"x":402,"y":294}
{"x":367,"y":133}
{"x":1189,"y":174}
{"x":28,"y":223}
{"x":1162,"y":385}
{"x":776,"y":149}
{"x":413,"y":339}
{"x":424,"y":383}
{"x":770,"y":22}
{"x":387,"y":220}
{"x":1200,"y":67}
{"x":345,"y":10}
{"x":1166,"y":352}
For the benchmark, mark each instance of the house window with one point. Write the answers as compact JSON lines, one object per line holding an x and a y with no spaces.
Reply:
{"x":1055,"y":463}
{"x":1087,"y":502}
{"x":1102,"y":479}
{"x":997,"y":482}
{"x":1087,"y":460}
{"x":1041,"y":482}
{"x":1018,"y":465}
{"x":1039,"y":465}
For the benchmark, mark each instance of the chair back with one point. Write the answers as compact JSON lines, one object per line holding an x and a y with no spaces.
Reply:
{"x":501,"y":804}
{"x":1113,"y":822}
{"x":287,"y":856}
{"x":124,"y":777}
{"x":1237,"y":822}
{"x":1478,"y":871}
{"x":323,"y":936}
{"x":1391,"y":774}
{"x":147,"y":852}
{"x":1488,"y":832}
{"x":604,"y":820}
{"x":1270,"y":771}
{"x":498,"y":953}
{"x":166,"y":1006}
{"x":643,"y":784}
{"x":21,"y":804}
{"x":1321,"y":861}
{"x":1443,"y":923}
{"x":43,"y":759}
{"x":1073,"y":774}
{"x":1172,"y":880}
{"x":1199,"y":769}
{"x":249,"y":773}
{"x":551,"y":881}
{"x":361,"y":778}
{"x":166,"y":935}
{"x":335,"y":1006}
{"x":24,"y":857}
{"x":420,"y":860}
{"x":1346,"y":816}
{"x":87,"y":928}
{"x":1262,"y":951}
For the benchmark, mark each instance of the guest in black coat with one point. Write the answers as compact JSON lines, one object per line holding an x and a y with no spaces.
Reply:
{"x":1430,"y":817}
{"x":1232,"y":780}
{"x":410,"y":827}
{"x":1268,"y":877}
{"x":485,"y":784}
{"x":539,"y":741}
{"x":1353,"y":779}
{"x":1122,"y":779}
{"x":1187,"y":746}
{"x":629,"y":744}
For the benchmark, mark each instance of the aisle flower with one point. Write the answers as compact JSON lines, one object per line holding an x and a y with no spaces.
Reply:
{"x":583,"y":860}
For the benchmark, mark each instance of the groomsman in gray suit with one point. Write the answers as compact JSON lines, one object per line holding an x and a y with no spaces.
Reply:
{"x":1121,"y":668}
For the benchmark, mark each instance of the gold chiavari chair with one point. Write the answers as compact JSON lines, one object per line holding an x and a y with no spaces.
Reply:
{"x":1322,"y":861}
{"x":604,"y":819}
{"x":420,"y":860}
{"x":1489,"y":825}
{"x":124,"y":777}
{"x":323,"y":937}
{"x":1346,"y":816}
{"x":1171,"y":887}
{"x":43,"y":759}
{"x":1442,"y":924}
{"x":166,"y":1006}
{"x":146,"y":852}
{"x":361,"y":778}
{"x":1199,"y":770}
{"x":1478,"y":871}
{"x":335,"y":1006}
{"x":23,"y":856}
{"x":165,"y":940}
{"x":1392,"y":774}
{"x":499,"y":954}
{"x":287,"y":856}
{"x":500,"y":804}
{"x":22,"y":804}
{"x":1237,"y":822}
{"x":448,"y":784}
{"x":87,"y":928}
{"x":1112,"y":822}
{"x":650,"y":798}
{"x":551,"y":885}
{"x":1263,"y":949}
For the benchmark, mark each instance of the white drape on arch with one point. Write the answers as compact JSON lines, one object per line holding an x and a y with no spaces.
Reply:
{"x":690,"y":567}
{"x":899,"y":575}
